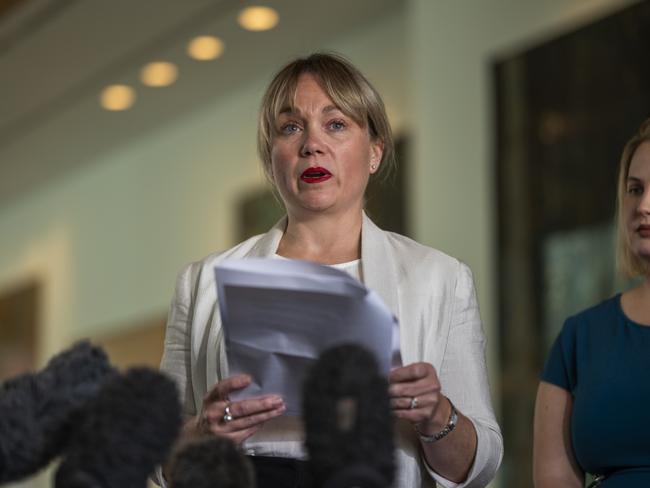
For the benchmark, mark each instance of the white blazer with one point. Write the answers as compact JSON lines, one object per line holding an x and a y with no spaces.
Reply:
{"x":432,"y":295}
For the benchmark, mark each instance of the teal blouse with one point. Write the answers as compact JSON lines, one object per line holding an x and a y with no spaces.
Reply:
{"x":603,"y":359}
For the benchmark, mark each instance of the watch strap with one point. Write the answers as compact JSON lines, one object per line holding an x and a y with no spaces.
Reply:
{"x":451,"y":425}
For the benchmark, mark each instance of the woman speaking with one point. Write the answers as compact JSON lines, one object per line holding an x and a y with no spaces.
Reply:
{"x":323,"y":132}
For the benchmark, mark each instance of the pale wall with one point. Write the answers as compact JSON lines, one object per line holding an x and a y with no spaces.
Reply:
{"x":108,"y":240}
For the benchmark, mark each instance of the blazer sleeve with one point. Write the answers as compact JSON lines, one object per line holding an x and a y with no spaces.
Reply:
{"x":177,"y":351}
{"x":176,"y":359}
{"x":464,"y":380}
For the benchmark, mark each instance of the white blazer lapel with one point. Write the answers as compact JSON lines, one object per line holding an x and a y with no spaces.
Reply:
{"x":378,"y":264}
{"x":269,"y":242}
{"x":216,"y":361}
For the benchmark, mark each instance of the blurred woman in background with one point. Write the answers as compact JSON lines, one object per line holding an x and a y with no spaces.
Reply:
{"x":591,"y":414}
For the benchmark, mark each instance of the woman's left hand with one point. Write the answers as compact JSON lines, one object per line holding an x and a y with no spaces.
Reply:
{"x":415,"y":395}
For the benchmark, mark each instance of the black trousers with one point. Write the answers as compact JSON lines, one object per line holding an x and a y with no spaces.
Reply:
{"x":276,"y":472}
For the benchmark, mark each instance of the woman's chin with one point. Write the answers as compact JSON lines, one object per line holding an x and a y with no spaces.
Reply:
{"x":319,"y":208}
{"x":644,"y":255}
{"x":642,"y":250}
{"x":316,"y":205}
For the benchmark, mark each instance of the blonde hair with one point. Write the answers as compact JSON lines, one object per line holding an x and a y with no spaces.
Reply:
{"x":628,"y":262}
{"x":350,"y":91}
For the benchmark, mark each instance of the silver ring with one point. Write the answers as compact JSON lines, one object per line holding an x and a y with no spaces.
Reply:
{"x":414,"y":403}
{"x":227,"y":416}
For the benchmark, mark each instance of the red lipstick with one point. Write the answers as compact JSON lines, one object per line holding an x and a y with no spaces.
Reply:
{"x":315,"y":174}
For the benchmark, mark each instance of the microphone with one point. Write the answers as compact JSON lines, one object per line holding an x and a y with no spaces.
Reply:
{"x":209,"y":462}
{"x":37,"y":410}
{"x":348,"y":421}
{"x":124,"y":433}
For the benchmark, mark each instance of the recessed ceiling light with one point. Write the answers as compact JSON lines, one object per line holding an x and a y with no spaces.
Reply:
{"x":159,"y":73}
{"x":117,"y":97}
{"x":258,"y":18}
{"x":205,"y":48}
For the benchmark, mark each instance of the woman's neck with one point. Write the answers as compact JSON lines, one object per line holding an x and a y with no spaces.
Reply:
{"x":644,"y":293}
{"x":636,"y":302}
{"x":323,"y":239}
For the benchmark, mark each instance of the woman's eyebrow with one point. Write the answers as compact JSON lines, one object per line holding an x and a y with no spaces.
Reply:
{"x":288,"y":111}
{"x":296,"y":111}
{"x":331,"y":108}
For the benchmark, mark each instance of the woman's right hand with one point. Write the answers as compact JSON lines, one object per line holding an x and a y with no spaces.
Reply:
{"x":248,"y":416}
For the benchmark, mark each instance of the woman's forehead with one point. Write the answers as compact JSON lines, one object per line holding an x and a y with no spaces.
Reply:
{"x":306,"y":85}
{"x":640,"y":163}
{"x":289,"y":106}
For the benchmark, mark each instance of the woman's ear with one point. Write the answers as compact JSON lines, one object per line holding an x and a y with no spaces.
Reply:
{"x":376,"y":152}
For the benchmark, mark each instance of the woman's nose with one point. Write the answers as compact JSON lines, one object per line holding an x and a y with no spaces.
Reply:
{"x":311,"y":144}
{"x":644,"y":203}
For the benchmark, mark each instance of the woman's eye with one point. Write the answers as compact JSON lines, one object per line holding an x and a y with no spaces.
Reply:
{"x":635,"y":190}
{"x":337,"y":125}
{"x":289,"y":128}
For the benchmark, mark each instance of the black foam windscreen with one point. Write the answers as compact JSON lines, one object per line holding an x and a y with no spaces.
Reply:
{"x":210,"y":462}
{"x":348,"y":421}
{"x":38,"y":410}
{"x":124,"y":433}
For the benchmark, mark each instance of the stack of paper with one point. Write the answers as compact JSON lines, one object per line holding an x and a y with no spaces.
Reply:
{"x":279,"y":315}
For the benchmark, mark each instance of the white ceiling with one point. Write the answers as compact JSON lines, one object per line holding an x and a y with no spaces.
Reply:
{"x":57,"y":55}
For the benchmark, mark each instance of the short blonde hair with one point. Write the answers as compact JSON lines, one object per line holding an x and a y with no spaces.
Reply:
{"x":628,"y":262}
{"x":350,"y":91}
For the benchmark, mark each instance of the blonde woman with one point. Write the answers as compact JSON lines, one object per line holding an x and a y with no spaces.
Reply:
{"x":323,"y":133}
{"x":593,"y":403}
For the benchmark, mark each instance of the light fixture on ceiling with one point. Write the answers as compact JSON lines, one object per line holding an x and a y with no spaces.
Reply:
{"x":258,"y":18}
{"x":205,"y":48}
{"x":159,"y":73}
{"x":117,"y":97}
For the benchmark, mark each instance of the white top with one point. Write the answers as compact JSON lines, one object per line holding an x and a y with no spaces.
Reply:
{"x":353,"y":268}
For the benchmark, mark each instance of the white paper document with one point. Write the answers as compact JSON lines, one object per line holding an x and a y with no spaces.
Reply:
{"x":278,"y":316}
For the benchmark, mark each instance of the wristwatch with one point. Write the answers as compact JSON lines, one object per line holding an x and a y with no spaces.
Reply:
{"x":451,"y":425}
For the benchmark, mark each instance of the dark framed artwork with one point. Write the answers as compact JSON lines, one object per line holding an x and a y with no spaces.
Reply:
{"x":386,"y":198}
{"x":564,"y":110}
{"x":19,"y":328}
{"x":260,"y":209}
{"x":137,"y":343}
